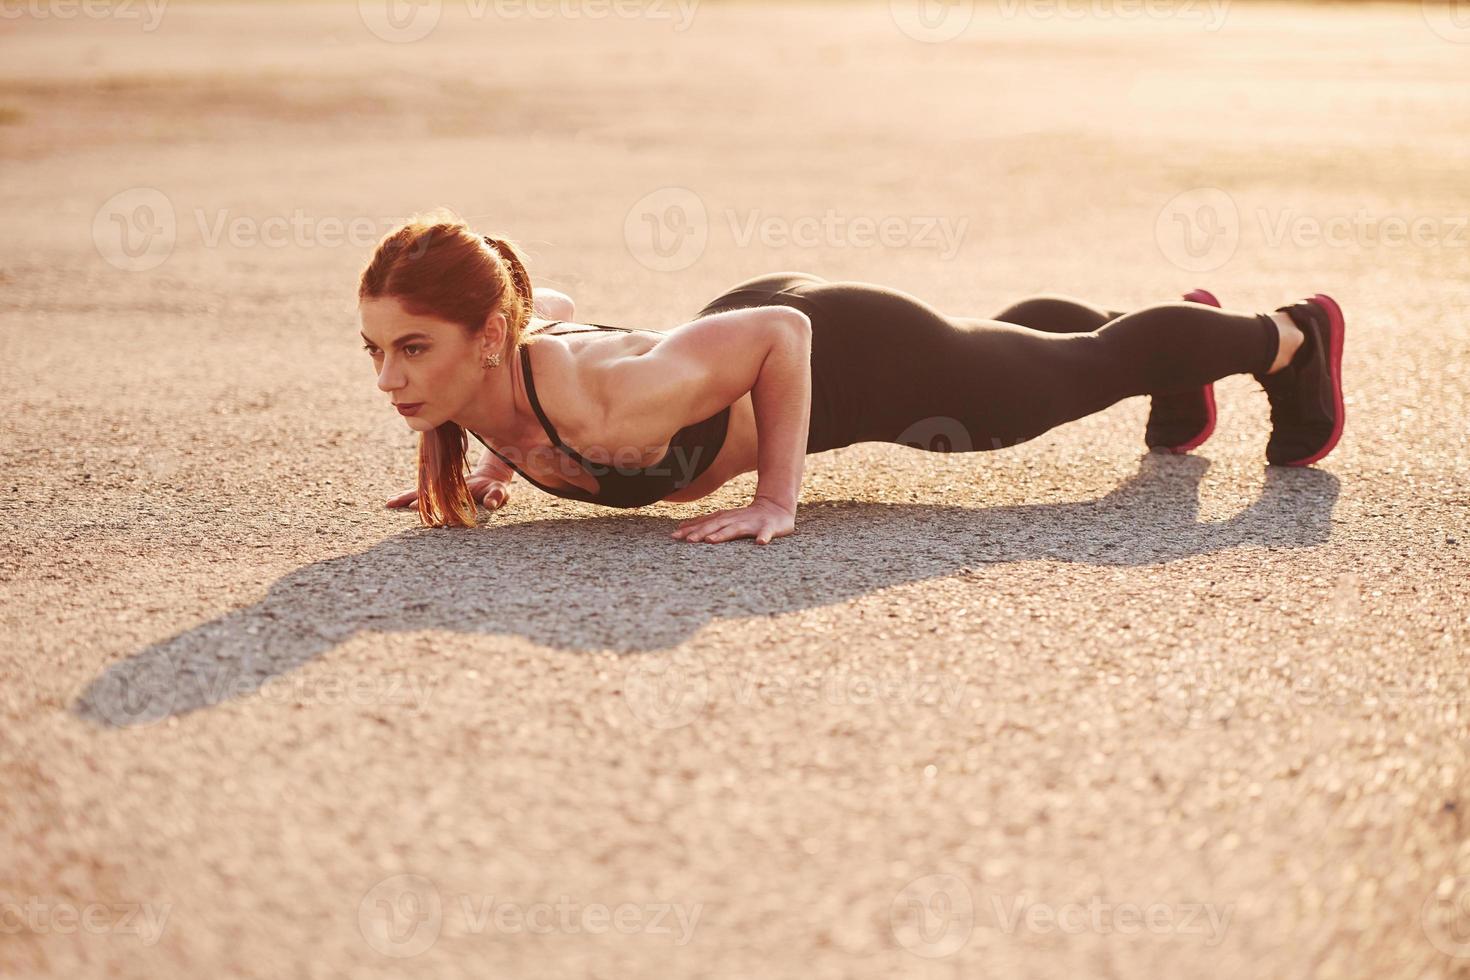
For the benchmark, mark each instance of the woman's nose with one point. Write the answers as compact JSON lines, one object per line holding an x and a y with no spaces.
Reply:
{"x":389,"y":380}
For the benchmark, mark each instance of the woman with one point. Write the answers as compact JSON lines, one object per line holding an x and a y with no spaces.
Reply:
{"x":782,"y":366}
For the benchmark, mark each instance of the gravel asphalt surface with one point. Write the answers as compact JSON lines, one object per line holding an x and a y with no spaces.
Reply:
{"x":1067,"y":709}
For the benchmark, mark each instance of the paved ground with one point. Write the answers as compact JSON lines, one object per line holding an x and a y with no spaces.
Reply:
{"x":1060,"y":710}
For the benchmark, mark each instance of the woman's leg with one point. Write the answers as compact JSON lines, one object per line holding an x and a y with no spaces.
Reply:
{"x":1056,"y":314}
{"x":759,"y":291}
{"x":957,"y":384}
{"x":1179,"y":420}
{"x":1019,"y":382}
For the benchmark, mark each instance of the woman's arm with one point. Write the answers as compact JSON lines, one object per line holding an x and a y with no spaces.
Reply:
{"x":488,"y":482}
{"x":704,"y":366}
{"x":782,"y":399}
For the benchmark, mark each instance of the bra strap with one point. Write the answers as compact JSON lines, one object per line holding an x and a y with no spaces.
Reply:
{"x":540,"y":413}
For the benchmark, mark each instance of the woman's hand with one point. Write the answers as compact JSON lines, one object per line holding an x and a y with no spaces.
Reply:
{"x":492,"y":492}
{"x":762,"y":520}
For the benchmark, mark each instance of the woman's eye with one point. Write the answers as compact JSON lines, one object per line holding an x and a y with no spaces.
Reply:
{"x":412,"y":350}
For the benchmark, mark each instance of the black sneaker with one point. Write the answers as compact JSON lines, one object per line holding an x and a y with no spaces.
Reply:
{"x":1181,"y":421}
{"x":1306,"y":396}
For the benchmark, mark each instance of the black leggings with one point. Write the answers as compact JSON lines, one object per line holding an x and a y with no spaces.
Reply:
{"x":887,"y":367}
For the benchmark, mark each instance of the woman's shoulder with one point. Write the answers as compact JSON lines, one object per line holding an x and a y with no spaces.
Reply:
{"x":571,"y":376}
{"x":538,"y":326}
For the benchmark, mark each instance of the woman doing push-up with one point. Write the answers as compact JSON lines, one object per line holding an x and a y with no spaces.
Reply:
{"x":781,"y":366}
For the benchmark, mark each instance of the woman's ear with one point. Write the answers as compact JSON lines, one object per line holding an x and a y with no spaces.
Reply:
{"x":494,"y":334}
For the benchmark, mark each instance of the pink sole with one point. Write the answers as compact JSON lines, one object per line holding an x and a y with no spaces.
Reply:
{"x":1207,"y":298}
{"x":1338,"y":326}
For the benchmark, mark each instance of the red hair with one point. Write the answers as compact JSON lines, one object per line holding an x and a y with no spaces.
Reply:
{"x":436,"y":266}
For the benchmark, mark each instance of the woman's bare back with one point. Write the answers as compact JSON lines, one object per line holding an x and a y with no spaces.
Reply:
{"x":560,"y":366}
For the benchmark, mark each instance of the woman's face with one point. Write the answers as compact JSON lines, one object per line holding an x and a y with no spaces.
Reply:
{"x":426,"y":365}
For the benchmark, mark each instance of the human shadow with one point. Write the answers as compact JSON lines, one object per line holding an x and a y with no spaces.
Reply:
{"x":619,"y":583}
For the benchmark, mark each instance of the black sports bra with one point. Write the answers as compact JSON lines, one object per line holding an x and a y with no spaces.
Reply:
{"x":691,"y":450}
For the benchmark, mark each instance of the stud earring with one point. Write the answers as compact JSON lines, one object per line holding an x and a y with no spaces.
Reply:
{"x":492,"y":360}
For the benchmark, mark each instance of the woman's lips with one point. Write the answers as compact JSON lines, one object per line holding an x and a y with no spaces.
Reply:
{"x":410,"y":409}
